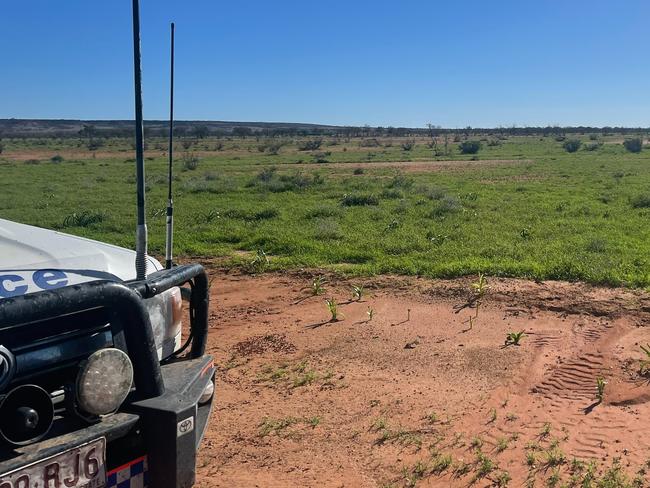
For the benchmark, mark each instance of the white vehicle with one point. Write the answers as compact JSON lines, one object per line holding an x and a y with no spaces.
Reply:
{"x":102,"y":383}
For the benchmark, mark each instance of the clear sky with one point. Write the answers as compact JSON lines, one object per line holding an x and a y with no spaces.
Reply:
{"x":400,"y":63}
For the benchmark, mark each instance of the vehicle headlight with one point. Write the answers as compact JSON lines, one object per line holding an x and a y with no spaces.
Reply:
{"x":104,"y":381}
{"x":165,"y":313}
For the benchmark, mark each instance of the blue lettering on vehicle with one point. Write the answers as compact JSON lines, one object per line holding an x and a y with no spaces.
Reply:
{"x":9,"y":286}
{"x":48,"y":279}
{"x":12,"y":285}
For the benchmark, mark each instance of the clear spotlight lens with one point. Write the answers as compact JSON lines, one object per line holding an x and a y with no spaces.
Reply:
{"x":208,"y":391}
{"x":104,"y":381}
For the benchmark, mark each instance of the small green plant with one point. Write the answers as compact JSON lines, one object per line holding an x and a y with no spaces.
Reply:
{"x":260,"y":262}
{"x":531,"y":459}
{"x":555,"y":457}
{"x":370,"y":313}
{"x":502,"y":478}
{"x":313,"y":421}
{"x":432,"y":418}
{"x":546,"y":430}
{"x":333,"y":308}
{"x":645,"y":362}
{"x":461,"y":468}
{"x":83,"y":219}
{"x":514,"y":338}
{"x":502,"y":444}
{"x":378,"y":424}
{"x":357,"y":292}
{"x":476,"y":443}
{"x":480,"y":286}
{"x":484,"y":465}
{"x":493,"y":416}
{"x":554,"y":479}
{"x":600,"y":389}
{"x":441,"y":463}
{"x":275,"y":426}
{"x":317,"y":287}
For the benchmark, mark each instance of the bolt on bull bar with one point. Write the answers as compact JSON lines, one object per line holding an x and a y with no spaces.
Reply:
{"x":166,"y":396}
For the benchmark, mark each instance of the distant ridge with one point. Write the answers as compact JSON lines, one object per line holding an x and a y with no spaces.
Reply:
{"x":63,"y":127}
{"x":202,"y":128}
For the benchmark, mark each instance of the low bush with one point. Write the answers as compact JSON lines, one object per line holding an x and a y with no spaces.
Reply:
{"x":310,"y":145}
{"x":641,"y":201}
{"x":190,"y":162}
{"x":407,"y":146}
{"x":469,"y":147}
{"x":572,"y":145}
{"x":359,"y":199}
{"x":633,"y":145}
{"x":84,"y":219}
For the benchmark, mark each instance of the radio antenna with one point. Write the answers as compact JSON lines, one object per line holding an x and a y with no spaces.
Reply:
{"x":141,"y":230}
{"x":170,"y":202}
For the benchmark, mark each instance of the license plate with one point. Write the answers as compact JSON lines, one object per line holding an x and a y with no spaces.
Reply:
{"x":81,"y":467}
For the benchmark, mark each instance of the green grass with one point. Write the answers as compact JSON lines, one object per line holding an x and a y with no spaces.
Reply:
{"x":579,"y":216}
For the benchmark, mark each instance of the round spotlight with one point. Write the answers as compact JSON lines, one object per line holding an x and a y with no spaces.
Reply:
{"x":208,"y":392}
{"x":104,"y":381}
{"x":26,"y":415}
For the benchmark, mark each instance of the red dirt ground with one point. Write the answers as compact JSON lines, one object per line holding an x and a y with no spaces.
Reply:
{"x":306,"y":402}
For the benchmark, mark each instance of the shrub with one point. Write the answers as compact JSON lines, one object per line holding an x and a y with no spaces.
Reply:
{"x":633,"y":145}
{"x":190,"y":162}
{"x":267,"y":179}
{"x":401,"y":181}
{"x":328,"y":230}
{"x":95,"y":144}
{"x":83,"y":219}
{"x":205,"y":185}
{"x":641,"y":201}
{"x":311,"y":145}
{"x":469,"y":147}
{"x":57,"y":158}
{"x":359,"y":199}
{"x":443,"y":207}
{"x":369,"y":143}
{"x":407,"y":146}
{"x":592,"y":147}
{"x":572,"y":145}
{"x":267,"y":174}
{"x":358,"y":171}
{"x":433,"y":192}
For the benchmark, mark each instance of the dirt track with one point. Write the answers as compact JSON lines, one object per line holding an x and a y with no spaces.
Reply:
{"x":306,"y":402}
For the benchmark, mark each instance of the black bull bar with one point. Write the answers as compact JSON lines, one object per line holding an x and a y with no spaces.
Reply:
{"x":165,"y":395}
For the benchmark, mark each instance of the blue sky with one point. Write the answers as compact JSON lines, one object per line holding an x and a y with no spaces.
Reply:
{"x":400,"y":63}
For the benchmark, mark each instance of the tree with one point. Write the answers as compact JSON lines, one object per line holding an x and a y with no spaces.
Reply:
{"x":633,"y":145}
{"x":201,"y":131}
{"x":242,"y":131}
{"x":88,"y":131}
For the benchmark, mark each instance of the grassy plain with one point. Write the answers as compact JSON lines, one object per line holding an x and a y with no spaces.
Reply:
{"x":525,"y":208}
